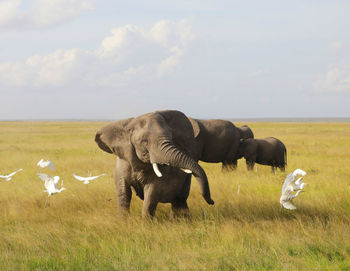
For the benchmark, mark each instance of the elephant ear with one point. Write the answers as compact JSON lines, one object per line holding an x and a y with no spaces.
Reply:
{"x":195,"y":126}
{"x":113,"y":137}
{"x":180,"y":126}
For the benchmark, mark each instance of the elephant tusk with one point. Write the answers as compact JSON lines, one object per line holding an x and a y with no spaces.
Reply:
{"x":186,"y":170}
{"x":156,"y":170}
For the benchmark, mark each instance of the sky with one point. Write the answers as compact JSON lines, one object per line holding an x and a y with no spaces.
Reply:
{"x":108,"y":59}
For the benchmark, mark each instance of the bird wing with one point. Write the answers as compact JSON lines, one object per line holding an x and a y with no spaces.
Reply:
{"x":289,"y":179}
{"x":13,"y":173}
{"x":299,"y":171}
{"x":94,"y":177}
{"x":44,"y":176}
{"x":79,"y":178}
{"x":297,"y":194}
{"x":299,"y":184}
{"x":51,"y":165}
{"x":39,"y":163}
{"x":289,"y":205}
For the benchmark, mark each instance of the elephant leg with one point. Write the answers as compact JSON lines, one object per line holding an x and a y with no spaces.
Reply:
{"x":234,"y":163}
{"x":179,"y":208}
{"x":122,"y":175}
{"x":150,"y":201}
{"x":123,"y":196}
{"x":229,"y":165}
{"x":179,"y":205}
{"x":274,"y":170}
{"x":250,"y":164}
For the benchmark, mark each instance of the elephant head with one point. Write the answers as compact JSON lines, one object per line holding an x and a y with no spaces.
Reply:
{"x":245,"y":132}
{"x":161,"y":137}
{"x":247,"y":148}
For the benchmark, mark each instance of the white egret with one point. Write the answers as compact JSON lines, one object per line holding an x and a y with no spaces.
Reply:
{"x":47,"y":163}
{"x":87,"y":180}
{"x":289,"y":186}
{"x":9,"y":177}
{"x":50,"y":183}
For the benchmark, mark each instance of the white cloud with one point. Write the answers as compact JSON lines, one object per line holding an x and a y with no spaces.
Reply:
{"x":336,"y":45}
{"x":337,"y":76}
{"x":129,"y":53}
{"x":258,"y":73}
{"x":166,"y":32}
{"x":55,"y":69}
{"x":337,"y":79}
{"x":169,"y":64}
{"x":41,"y":13}
{"x":9,"y":11}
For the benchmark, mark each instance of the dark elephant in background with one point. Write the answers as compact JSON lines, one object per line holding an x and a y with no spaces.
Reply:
{"x":154,"y":156}
{"x":245,"y":132}
{"x":268,"y":151}
{"x":216,"y":141}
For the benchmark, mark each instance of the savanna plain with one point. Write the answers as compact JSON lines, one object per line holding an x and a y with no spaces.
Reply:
{"x":246,"y":229}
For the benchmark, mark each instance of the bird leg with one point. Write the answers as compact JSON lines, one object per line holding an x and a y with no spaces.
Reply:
{"x":47,"y":202}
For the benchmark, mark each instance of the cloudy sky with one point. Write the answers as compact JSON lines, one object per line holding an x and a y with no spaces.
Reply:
{"x":87,"y":59}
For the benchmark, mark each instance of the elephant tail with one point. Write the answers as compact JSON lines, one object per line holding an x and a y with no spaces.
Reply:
{"x":285,"y":156}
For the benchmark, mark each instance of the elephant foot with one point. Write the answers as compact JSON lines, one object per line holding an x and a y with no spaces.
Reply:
{"x":274,"y":170}
{"x":181,"y":213}
{"x":123,"y":213}
{"x":149,"y":209}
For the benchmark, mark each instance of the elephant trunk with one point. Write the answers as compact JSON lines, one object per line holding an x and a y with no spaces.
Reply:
{"x":171,"y":155}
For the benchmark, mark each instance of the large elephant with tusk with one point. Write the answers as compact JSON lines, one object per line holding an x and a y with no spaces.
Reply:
{"x":155,"y":157}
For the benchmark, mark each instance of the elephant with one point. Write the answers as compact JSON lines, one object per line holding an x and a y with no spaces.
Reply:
{"x":245,"y":132}
{"x":154,"y":157}
{"x":216,"y":141}
{"x":268,"y":151}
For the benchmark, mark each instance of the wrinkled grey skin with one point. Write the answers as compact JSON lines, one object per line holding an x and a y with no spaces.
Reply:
{"x":162,"y":137}
{"x":268,"y":151}
{"x":216,"y":141}
{"x":245,"y":132}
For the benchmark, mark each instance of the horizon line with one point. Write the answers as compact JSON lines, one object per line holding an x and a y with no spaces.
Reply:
{"x":252,"y":119}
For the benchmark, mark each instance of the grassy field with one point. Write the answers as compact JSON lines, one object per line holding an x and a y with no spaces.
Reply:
{"x":79,"y":230}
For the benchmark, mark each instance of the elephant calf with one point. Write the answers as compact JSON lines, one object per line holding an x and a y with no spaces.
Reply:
{"x":268,"y":151}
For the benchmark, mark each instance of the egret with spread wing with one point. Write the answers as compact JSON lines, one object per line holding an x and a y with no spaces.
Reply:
{"x":47,"y":163}
{"x":87,"y":180}
{"x":290,"y":185}
{"x":9,"y":177}
{"x":50,"y":183}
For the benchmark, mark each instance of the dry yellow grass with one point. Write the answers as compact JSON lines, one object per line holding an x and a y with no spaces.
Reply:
{"x":249,"y":231}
